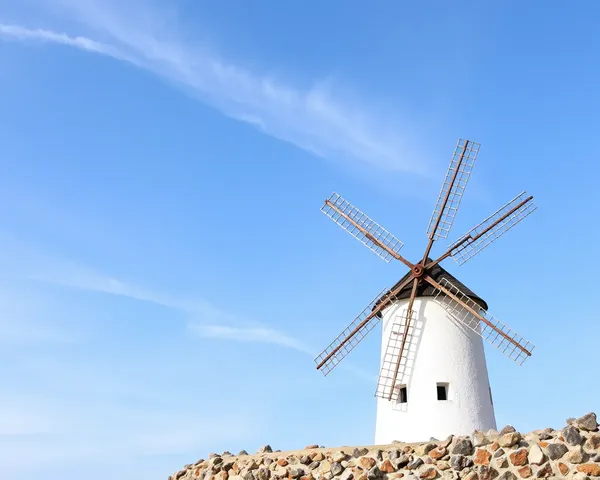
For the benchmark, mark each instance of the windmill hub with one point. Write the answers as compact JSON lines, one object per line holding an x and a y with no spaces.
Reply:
{"x":418,"y":270}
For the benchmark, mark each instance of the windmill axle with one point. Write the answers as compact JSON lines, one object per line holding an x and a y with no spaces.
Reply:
{"x":418,"y":270}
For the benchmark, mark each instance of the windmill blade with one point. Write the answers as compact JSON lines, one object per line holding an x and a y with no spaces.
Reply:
{"x":472,"y":315}
{"x":349,"y":338}
{"x":397,"y":360}
{"x":492,"y":228}
{"x":356,"y":331}
{"x":360,"y":226}
{"x":409,"y":318}
{"x":452,"y":190}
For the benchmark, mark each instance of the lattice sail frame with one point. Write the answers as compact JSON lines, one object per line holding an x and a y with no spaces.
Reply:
{"x":390,"y":357}
{"x":354,"y":339}
{"x":469,"y":248}
{"x":487,"y":332}
{"x":470,"y":149}
{"x":336,"y":204}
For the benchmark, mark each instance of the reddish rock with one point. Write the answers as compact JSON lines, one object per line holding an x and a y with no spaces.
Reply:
{"x":310,"y":447}
{"x":544,"y":471}
{"x":519,"y":457}
{"x":438,"y":453}
{"x":282,"y":462}
{"x":494,"y":446}
{"x":525,"y":472}
{"x":387,"y":467}
{"x":429,"y":474}
{"x":317,"y":456}
{"x":592,"y":469}
{"x":367,"y":463}
{"x":482,"y":457}
{"x":563,"y":468}
{"x":543,"y":444}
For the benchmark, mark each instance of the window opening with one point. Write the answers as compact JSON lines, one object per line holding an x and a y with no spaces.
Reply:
{"x":402,"y":395}
{"x":442,"y":391}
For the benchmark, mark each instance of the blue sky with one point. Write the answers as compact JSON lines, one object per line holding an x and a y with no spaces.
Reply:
{"x":165,"y":273}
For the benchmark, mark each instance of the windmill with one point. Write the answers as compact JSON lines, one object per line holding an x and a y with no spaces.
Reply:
{"x":433,"y":379}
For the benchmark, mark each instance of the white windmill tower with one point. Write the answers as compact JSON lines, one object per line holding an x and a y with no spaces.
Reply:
{"x":433,"y":379}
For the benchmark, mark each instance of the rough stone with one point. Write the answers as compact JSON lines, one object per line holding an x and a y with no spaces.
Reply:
{"x":438,"y":452}
{"x":482,"y":457}
{"x":487,"y":473}
{"x":336,"y":468}
{"x":429,"y":474}
{"x":501,"y":462}
{"x":375,"y":474}
{"x":479,"y":439}
{"x":314,"y":465}
{"x":525,"y":472}
{"x":544,"y":471}
{"x":593,"y":442}
{"x":471,"y":476}
{"x":310,"y":447}
{"x":265,"y":449}
{"x":347,"y":474}
{"x":507,"y":429}
{"x":446,"y":443}
{"x":571,"y":435}
{"x":562,"y":468}
{"x":463,"y":447}
{"x":535,"y":456}
{"x":387,"y":467}
{"x":366,"y":463}
{"x":498,"y":453}
{"x":519,"y":457}
{"x":459,"y":462}
{"x":317,"y":456}
{"x":339,"y":456}
{"x":402,"y":461}
{"x":359,"y":452}
{"x":443,"y":465}
{"x":282,"y":462}
{"x":576,"y":456}
{"x":592,"y":469}
{"x":263,"y":473}
{"x":509,"y":439}
{"x":415,"y":463}
{"x":507,"y":476}
{"x":588,"y":422}
{"x":555,"y":451}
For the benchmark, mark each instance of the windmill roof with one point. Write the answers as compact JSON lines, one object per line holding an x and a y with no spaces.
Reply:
{"x":425,"y":289}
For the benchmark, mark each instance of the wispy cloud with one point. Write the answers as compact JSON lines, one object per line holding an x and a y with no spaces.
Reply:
{"x":206,"y":320}
{"x":83,"y":279}
{"x":316,"y":119}
{"x":258,"y":334}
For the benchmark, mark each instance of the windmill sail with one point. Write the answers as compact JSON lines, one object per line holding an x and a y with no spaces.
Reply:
{"x":452,"y":189}
{"x":492,"y":228}
{"x":350,"y":336}
{"x":462,"y":308}
{"x":360,"y":226}
{"x":398,"y":359}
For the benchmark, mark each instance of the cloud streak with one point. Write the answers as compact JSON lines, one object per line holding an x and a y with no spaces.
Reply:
{"x":258,"y":334}
{"x":315,"y":119}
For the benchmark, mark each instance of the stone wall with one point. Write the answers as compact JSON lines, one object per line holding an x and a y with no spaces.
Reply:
{"x":571,"y":453}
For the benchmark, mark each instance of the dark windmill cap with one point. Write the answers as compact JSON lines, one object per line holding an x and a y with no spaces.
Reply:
{"x":425,"y":289}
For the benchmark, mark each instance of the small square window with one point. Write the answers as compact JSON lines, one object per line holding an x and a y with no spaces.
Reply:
{"x":442,"y":391}
{"x":402,"y":394}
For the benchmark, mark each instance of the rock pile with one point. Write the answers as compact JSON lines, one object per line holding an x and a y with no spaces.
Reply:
{"x":570,"y":453}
